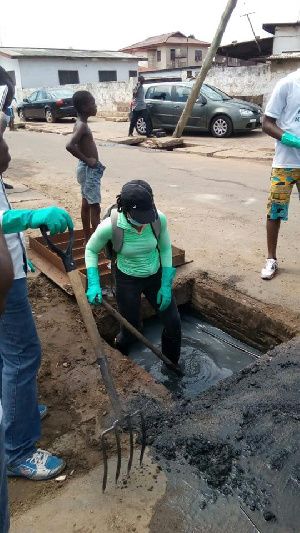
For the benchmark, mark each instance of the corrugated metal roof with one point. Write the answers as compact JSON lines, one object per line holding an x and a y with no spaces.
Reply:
{"x":172,"y":38}
{"x":18,"y":53}
{"x":286,"y":55}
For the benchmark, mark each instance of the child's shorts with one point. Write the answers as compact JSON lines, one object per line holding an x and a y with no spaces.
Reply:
{"x":90,"y":181}
{"x":282,"y":182}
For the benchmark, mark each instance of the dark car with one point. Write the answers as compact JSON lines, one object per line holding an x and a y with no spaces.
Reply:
{"x":213,"y":111}
{"x":49,"y":104}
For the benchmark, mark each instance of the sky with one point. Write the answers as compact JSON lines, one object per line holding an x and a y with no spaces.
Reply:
{"x":114,"y":24}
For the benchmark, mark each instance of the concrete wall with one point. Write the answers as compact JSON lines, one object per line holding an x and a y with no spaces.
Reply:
{"x":12,"y":64}
{"x":287,"y":39}
{"x":44,"y":72}
{"x":111,"y":97}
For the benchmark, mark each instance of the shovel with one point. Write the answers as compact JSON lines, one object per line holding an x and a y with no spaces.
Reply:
{"x":98,"y":345}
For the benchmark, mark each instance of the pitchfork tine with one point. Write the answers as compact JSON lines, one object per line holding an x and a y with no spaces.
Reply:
{"x":119,"y":450}
{"x":128,"y":418}
{"x":105,"y":467}
{"x":143,"y":435}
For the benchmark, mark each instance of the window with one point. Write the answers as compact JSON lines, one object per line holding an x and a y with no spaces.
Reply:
{"x":132,"y":74}
{"x":172,"y":54}
{"x":198,"y":55}
{"x":158,"y":55}
{"x":12,"y":76}
{"x":182,"y":93}
{"x":32,"y":97}
{"x":68,"y":76}
{"x":107,"y":75}
{"x":161,"y":92}
{"x":189,"y":73}
{"x":42,"y":95}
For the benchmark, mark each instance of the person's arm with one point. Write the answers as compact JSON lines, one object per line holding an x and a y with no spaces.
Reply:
{"x":97,"y":241}
{"x":136,"y":90}
{"x":164,"y":243}
{"x":270,"y":127}
{"x":15,"y":220}
{"x":6,"y":271}
{"x":80,"y":130}
{"x":164,"y":295}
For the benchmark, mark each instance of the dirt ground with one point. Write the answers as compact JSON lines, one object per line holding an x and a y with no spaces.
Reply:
{"x":232,"y":456}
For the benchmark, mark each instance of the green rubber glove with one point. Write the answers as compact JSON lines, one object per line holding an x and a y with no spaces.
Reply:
{"x":31,"y":267}
{"x":57,"y":220}
{"x":94,"y":292}
{"x":290,"y":140}
{"x":164,"y":295}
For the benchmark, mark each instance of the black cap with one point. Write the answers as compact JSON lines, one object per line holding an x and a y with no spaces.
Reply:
{"x":137,"y":196}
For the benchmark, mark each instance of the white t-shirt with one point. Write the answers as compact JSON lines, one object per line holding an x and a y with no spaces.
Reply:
{"x":15,"y":241}
{"x":284,"y":105}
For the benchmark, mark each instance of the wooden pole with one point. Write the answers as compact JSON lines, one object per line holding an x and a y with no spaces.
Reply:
{"x":205,"y":68}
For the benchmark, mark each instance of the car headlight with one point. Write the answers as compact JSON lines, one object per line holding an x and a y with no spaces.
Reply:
{"x":246,"y":112}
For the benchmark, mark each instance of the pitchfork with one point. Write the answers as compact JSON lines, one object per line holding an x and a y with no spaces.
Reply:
{"x":98,"y":345}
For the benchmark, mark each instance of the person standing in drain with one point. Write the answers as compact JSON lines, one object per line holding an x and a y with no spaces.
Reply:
{"x":139,"y":108}
{"x":143,"y":265}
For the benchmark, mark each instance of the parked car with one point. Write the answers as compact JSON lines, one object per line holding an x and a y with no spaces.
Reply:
{"x":213,"y":111}
{"x":50,"y":104}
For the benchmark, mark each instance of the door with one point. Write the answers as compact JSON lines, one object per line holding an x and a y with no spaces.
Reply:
{"x":40,"y":103}
{"x":29,"y":107}
{"x":160,"y":106}
{"x":198,"y":117}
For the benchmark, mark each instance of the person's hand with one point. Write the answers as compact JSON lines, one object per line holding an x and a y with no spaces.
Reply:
{"x":290,"y":140}
{"x":94,"y":292}
{"x":57,"y":220}
{"x":91,"y":162}
{"x":164,"y":295}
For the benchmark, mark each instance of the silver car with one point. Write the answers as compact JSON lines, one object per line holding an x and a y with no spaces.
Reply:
{"x":213,"y":111}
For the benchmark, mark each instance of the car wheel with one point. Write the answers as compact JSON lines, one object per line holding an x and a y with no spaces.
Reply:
{"x":22,"y":115}
{"x":48,"y":115}
{"x":141,"y":126}
{"x":221,"y":126}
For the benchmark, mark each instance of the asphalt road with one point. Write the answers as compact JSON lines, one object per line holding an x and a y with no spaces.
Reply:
{"x":215,"y":208}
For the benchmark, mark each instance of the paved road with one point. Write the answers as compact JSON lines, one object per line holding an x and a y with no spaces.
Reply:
{"x":216,"y":208}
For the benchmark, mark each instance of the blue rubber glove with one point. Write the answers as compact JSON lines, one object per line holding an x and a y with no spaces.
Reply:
{"x":94,"y":292}
{"x":57,"y":220}
{"x":164,"y":295}
{"x":290,"y":140}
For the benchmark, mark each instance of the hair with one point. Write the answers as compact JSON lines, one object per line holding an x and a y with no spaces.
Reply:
{"x":141,"y":78}
{"x":121,"y":206}
{"x":80,"y":99}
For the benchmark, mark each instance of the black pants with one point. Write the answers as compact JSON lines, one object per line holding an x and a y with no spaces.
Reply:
{"x":134,"y":118}
{"x":128,"y":294}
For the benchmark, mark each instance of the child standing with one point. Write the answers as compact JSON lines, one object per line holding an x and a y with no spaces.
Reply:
{"x":89,"y":169}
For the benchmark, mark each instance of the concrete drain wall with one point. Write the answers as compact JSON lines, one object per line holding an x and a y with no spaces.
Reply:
{"x":259,"y":325}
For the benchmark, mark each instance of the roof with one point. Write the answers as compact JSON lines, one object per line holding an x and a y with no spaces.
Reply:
{"x":270,"y":28}
{"x":285,"y":55}
{"x":19,"y":53}
{"x":248,"y":50}
{"x":166,"y":38}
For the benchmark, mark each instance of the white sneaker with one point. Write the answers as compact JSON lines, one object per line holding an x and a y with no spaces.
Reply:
{"x":269,"y":270}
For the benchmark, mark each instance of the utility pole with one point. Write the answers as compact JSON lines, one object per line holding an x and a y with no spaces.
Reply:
{"x":249,"y":20}
{"x":205,"y":68}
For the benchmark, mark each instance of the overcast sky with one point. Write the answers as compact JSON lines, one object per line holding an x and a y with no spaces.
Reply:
{"x":114,"y":24}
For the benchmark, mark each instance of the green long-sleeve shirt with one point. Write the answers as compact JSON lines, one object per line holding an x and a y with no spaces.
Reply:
{"x":139,"y":255}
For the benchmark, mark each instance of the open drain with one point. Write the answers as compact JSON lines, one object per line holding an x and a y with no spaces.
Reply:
{"x":208,"y":355}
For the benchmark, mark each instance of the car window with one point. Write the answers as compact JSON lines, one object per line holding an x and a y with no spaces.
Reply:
{"x":214,"y":94}
{"x":32,"y":97}
{"x":161,"y":92}
{"x":61,"y":93}
{"x":182,"y":93}
{"x":42,"y":95}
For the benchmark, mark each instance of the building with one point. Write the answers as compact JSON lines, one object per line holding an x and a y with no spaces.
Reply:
{"x":47,"y":67}
{"x":169,"y":50}
{"x":286,"y":37}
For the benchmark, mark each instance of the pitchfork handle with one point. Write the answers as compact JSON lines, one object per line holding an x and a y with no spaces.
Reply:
{"x":141,"y":337}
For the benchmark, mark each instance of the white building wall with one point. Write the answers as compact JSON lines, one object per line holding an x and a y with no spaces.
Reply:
{"x":287,"y":39}
{"x":44,"y":72}
{"x":12,"y":64}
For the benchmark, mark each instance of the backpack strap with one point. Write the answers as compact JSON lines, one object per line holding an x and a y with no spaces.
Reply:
{"x":117,"y":233}
{"x":156,"y":227}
